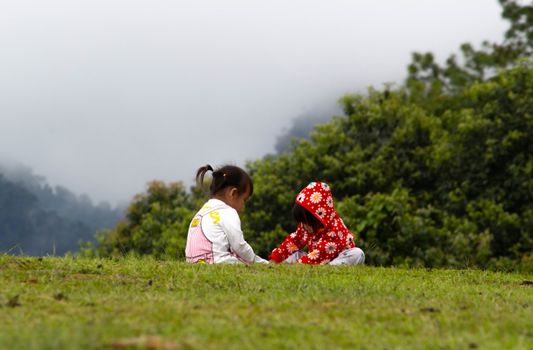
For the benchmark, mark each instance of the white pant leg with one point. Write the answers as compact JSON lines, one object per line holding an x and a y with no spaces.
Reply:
{"x":353,"y":256}
{"x":294,"y":257}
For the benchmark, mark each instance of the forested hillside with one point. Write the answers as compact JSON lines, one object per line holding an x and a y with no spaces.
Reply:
{"x":37,"y":219}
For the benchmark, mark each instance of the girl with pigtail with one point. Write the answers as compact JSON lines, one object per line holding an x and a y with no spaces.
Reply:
{"x":215,"y":234}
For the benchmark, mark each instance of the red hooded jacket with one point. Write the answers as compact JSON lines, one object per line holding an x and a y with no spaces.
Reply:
{"x":325,"y":244}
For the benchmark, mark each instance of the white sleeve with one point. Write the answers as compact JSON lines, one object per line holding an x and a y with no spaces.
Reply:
{"x":232,"y":226}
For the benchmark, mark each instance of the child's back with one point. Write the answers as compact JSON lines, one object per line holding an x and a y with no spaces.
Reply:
{"x":215,"y":234}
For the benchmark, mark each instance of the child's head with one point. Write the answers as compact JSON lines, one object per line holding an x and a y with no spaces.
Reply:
{"x":314,"y":207}
{"x":304,"y":217}
{"x":230,"y":184}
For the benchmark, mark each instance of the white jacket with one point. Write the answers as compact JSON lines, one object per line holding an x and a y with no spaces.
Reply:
{"x":223,"y":228}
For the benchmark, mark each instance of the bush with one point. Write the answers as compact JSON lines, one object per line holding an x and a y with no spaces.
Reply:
{"x":420,"y":188}
{"x":155,"y":224}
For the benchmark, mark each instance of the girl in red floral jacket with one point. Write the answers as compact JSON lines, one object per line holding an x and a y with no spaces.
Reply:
{"x":320,"y":229}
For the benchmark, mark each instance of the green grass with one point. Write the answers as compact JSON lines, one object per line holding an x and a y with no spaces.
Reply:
{"x":69,"y":303}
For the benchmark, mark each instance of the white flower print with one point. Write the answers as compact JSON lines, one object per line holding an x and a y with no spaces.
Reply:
{"x":321,"y":212}
{"x":293,"y":235}
{"x":313,"y":255}
{"x":330,"y":247}
{"x":339,"y":234}
{"x":316,"y":197}
{"x":301,"y":197}
{"x":349,"y":239}
{"x":332,"y":233}
{"x":325,"y":186}
{"x":329,"y":202}
{"x":311,"y":185}
{"x":291,"y":247}
{"x":332,"y":216}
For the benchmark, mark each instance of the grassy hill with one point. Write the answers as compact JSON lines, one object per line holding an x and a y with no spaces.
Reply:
{"x":69,"y":303}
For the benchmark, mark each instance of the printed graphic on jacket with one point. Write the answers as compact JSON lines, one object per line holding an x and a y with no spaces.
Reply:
{"x":325,"y":244}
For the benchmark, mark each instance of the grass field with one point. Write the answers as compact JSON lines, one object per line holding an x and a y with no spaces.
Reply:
{"x":69,"y":303}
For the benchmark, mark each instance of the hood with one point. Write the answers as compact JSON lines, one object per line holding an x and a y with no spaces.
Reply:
{"x":317,"y":199}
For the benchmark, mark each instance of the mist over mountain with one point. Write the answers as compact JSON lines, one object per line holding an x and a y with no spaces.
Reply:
{"x":39,"y":219}
{"x":303,"y":124}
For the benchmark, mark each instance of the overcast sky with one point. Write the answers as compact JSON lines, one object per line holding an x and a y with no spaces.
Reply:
{"x":102,"y":96}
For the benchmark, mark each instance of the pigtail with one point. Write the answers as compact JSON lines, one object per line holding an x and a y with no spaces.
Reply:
{"x":225,"y":176}
{"x":219,"y":181}
{"x":200,"y":174}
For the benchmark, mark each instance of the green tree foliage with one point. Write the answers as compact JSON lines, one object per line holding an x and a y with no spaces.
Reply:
{"x":428,"y":81}
{"x":156,"y":223}
{"x":453,"y":189}
{"x":438,"y":172}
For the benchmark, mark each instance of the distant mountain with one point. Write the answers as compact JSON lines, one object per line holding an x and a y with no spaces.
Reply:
{"x":302,"y":126}
{"x":37,"y":219}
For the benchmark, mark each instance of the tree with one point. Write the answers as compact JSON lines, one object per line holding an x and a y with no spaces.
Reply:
{"x":438,"y":172}
{"x":429,"y":82}
{"x":413,"y":183}
{"x":156,"y":223}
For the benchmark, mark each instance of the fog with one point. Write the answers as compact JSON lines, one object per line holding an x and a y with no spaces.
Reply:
{"x":103,"y":96}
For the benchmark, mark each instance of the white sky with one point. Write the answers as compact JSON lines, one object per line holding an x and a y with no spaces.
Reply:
{"x":102,"y":96}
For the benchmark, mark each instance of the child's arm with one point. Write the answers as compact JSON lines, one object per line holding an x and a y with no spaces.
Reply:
{"x":327,"y":249}
{"x":232,"y":228}
{"x":292,"y":243}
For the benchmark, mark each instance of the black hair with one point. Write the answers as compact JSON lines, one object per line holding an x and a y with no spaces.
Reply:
{"x":302,"y":215}
{"x":226,"y":176}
